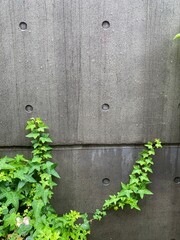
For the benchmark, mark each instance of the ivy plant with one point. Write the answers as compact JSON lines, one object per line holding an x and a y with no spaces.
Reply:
{"x":176,"y":36}
{"x":26,"y":188}
{"x":136,"y":189}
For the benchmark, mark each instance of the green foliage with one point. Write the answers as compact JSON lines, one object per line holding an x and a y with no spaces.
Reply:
{"x":26,"y":187}
{"x":177,"y":36}
{"x":25,"y":193}
{"x":136,"y":189}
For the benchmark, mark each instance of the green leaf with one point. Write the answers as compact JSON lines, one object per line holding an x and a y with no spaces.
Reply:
{"x":42,"y":128}
{"x":144,"y":154}
{"x":23,"y":230}
{"x":149,"y":161}
{"x":46,"y":148}
{"x":10,"y":220}
{"x":149,"y":145}
{"x":33,"y":135}
{"x":121,"y":205}
{"x":147,"y":169}
{"x":133,"y":179}
{"x":47,"y":155}
{"x":125,"y":193}
{"x":177,"y":36}
{"x":42,"y":193}
{"x":144,"y":177}
{"x":151,"y":152}
{"x":21,"y":184}
{"x":37,"y":206}
{"x":5,"y":163}
{"x":36,"y":159}
{"x":141,"y":161}
{"x":31,"y":126}
{"x":22,"y":175}
{"x":85,"y":225}
{"x":158,"y":143}
{"x":137,"y":171}
{"x":45,"y":138}
{"x":143,"y":192}
{"x":11,"y":197}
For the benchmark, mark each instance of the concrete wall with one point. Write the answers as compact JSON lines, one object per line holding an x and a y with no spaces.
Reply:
{"x":104,"y":90}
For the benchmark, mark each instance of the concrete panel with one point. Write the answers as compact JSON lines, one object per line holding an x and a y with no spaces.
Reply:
{"x":66,"y":65}
{"x":81,"y":188}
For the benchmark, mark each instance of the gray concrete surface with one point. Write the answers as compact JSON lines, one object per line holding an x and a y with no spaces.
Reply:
{"x":103,"y":90}
{"x":66,"y":65}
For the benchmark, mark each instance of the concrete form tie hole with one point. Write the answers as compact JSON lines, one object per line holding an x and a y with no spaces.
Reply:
{"x":105,"y":24}
{"x":177,"y":181}
{"x":23,"y":26}
{"x":29,"y":108}
{"x":105,"y":107}
{"x":106,"y":181}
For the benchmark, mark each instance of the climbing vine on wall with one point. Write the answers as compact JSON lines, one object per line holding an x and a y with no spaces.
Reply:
{"x":26,"y":187}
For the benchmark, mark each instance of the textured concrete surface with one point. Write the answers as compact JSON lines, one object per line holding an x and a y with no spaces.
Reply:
{"x":104,"y":75}
{"x":66,"y":65}
{"x":82,"y":171}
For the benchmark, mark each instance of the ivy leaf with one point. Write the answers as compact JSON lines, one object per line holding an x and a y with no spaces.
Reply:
{"x":42,"y":193}
{"x":22,"y":175}
{"x":149,"y":145}
{"x":38,"y":121}
{"x":141,"y":161}
{"x":45,"y":138}
{"x":144,"y":154}
{"x":37,"y":206}
{"x":33,"y":135}
{"x":30,"y":125}
{"x":133,"y":204}
{"x":158,"y":143}
{"x":144,"y":177}
{"x":34,"y":166}
{"x":133,"y":179}
{"x":149,"y":161}
{"x":147,"y":169}
{"x":10,"y":220}
{"x":36,"y":159}
{"x":137,"y":171}
{"x":47,"y":155}
{"x":125,"y":193}
{"x":112,"y":201}
{"x":143,"y":192}
{"x":121,"y":205}
{"x":5,"y":163}
{"x":151,"y":152}
{"x":177,"y":36}
{"x":24,"y":229}
{"x":11,"y":197}
{"x":46,"y":148}
{"x":21,"y":184}
{"x":42,"y":127}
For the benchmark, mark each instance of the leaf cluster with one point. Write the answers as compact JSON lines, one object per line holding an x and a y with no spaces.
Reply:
{"x":26,"y":187}
{"x":136,"y":189}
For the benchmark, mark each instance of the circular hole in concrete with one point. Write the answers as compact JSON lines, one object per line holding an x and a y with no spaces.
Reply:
{"x":28,"y":108}
{"x":106,"y":181}
{"x":105,"y":107}
{"x":105,"y":24}
{"x":23,"y":26}
{"x":177,"y":180}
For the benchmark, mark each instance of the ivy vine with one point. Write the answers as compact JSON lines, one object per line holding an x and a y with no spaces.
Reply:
{"x":26,"y":187}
